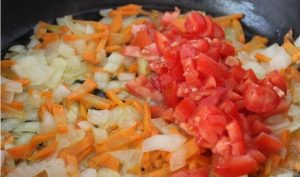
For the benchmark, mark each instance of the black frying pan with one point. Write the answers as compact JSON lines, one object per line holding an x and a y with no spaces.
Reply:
{"x":270,"y":18}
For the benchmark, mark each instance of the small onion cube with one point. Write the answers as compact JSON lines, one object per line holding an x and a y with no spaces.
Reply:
{"x":163,"y":142}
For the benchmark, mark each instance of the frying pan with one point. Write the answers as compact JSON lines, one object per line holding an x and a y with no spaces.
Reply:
{"x":270,"y":18}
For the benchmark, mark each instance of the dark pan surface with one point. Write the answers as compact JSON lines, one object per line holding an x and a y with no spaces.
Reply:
{"x":270,"y":18}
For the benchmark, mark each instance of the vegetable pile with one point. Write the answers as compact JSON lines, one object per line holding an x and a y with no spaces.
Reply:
{"x":144,"y":93}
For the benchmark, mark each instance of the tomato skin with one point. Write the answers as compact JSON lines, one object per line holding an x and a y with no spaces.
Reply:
{"x":209,"y":27}
{"x":260,"y":99}
{"x":277,"y":80}
{"x":227,"y":50}
{"x":236,"y":166}
{"x":267,"y":143}
{"x":170,"y":94}
{"x":184,"y":109}
{"x":199,"y":172}
{"x":257,"y":126}
{"x":218,"y":32}
{"x":195,"y":23}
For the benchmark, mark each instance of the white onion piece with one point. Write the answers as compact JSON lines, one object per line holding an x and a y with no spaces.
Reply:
{"x":89,"y":29}
{"x":177,"y":159}
{"x":17,"y":48}
{"x":2,"y":154}
{"x":256,"y":67}
{"x":71,"y":137}
{"x":123,"y":95}
{"x":98,"y":117}
{"x":58,"y":66}
{"x":65,"y":50}
{"x":297,"y":42}
{"x":127,"y":21}
{"x":60,"y":93}
{"x":163,"y":142}
{"x":126,"y":76}
{"x":48,"y":122}
{"x":56,"y":168}
{"x":101,"y":77}
{"x":113,"y":85}
{"x":106,"y":20}
{"x":99,"y":134}
{"x":296,"y":93}
{"x":114,"y":62}
{"x":89,"y":172}
{"x":111,"y":67}
{"x":104,"y":12}
{"x":28,"y":127}
{"x":24,"y":138}
{"x":294,"y":112}
{"x":9,"y":124}
{"x":107,"y":172}
{"x":11,"y":86}
{"x":159,"y":123}
{"x":133,"y":156}
{"x":72,"y":114}
{"x":285,"y":174}
{"x":79,"y":46}
{"x":85,"y":125}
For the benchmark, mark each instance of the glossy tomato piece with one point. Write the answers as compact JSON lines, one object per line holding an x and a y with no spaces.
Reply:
{"x":227,"y":50}
{"x":187,"y":53}
{"x":282,"y":106}
{"x":236,"y":137}
{"x":208,"y":32}
{"x":257,"y":127}
{"x":199,"y":172}
{"x":170,"y":94}
{"x":277,"y":79}
{"x":260,"y":99}
{"x":223,"y":147}
{"x":228,"y":107}
{"x":195,"y":23}
{"x":236,"y":166}
{"x":200,"y":45}
{"x":184,"y":109}
{"x":218,"y":32}
{"x":267,"y":143}
{"x":257,"y":155}
{"x":161,"y":41}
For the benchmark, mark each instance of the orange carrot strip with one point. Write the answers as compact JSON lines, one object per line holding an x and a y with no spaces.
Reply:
{"x":163,"y":171}
{"x":103,"y":41}
{"x":62,"y":128}
{"x":90,"y":100}
{"x":85,"y":153}
{"x":73,"y":37}
{"x":82,"y":112}
{"x":111,"y":163}
{"x":256,"y":42}
{"x":239,"y":30}
{"x":88,"y":86}
{"x":192,"y":148}
{"x":113,"y":48}
{"x":90,"y":57}
{"x":9,"y":109}
{"x":16,"y":105}
{"x":40,"y":138}
{"x":72,"y":165}
{"x":133,"y":68}
{"x":114,"y":98}
{"x":130,"y":7}
{"x":262,"y":58}
{"x":7,"y":63}
{"x":24,"y":81}
{"x":98,"y":159}
{"x":295,"y":74}
{"x":59,"y":114}
{"x":116,"y":23}
{"x":45,"y":152}
{"x":20,"y":151}
{"x":292,"y":50}
{"x":147,"y":117}
{"x":136,"y":104}
{"x":285,"y":137}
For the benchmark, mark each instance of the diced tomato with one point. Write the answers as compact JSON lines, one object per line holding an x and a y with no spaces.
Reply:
{"x":141,"y":39}
{"x":167,"y":115}
{"x":158,"y":67}
{"x":227,"y":50}
{"x":201,"y":45}
{"x":169,"y":17}
{"x":170,"y":94}
{"x":257,"y":127}
{"x":156,"y":110}
{"x":277,"y":80}
{"x":237,"y":72}
{"x":257,"y":155}
{"x":282,"y":106}
{"x":208,"y":66}
{"x":236,"y":137}
{"x":260,"y":99}
{"x":223,"y":147}
{"x":186,"y":56}
{"x":218,"y":32}
{"x":251,"y":75}
{"x":267,"y":143}
{"x":161,"y":42}
{"x":199,"y":172}
{"x":184,"y":109}
{"x":236,"y":166}
{"x":195,"y":23}
{"x":209,"y":27}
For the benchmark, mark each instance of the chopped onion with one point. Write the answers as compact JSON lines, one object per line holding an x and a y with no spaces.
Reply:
{"x":60,"y":93}
{"x":48,"y":122}
{"x":128,"y":21}
{"x":17,"y":48}
{"x":104,"y":12}
{"x":107,"y":172}
{"x":285,"y":174}
{"x":79,"y":46}
{"x":106,"y":20}
{"x":114,"y":62}
{"x":163,"y":142}
{"x":113,"y":85}
{"x":126,"y":76}
{"x":71,"y":137}
{"x":28,"y":127}
{"x":3,"y":154}
{"x":9,"y":124}
{"x":56,"y":168}
{"x":296,"y":93}
{"x":297,"y":42}
{"x":89,"y":29}
{"x":72,"y":114}
{"x":7,"y":97}
{"x":11,"y":86}
{"x":101,"y":77}
{"x":98,"y":117}
{"x":159,"y":123}
{"x":143,"y":68}
{"x":89,"y":172}
{"x":256,"y":67}
{"x":58,"y":65}
{"x":177,"y":159}
{"x":99,"y":134}
{"x":123,"y":95}
{"x":294,"y":112}
{"x":129,"y":158}
{"x":85,"y":125}
{"x":24,"y":138}
{"x":65,"y":50}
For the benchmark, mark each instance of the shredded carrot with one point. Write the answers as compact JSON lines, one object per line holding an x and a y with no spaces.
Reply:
{"x":45,"y":152}
{"x":88,"y":86}
{"x":90,"y":57}
{"x":62,"y":128}
{"x":276,"y":159}
{"x":268,"y":167}
{"x":41,"y":29}
{"x":163,"y":171}
{"x":113,"y":48}
{"x":78,"y":147}
{"x":90,"y":100}
{"x":119,"y":38}
{"x":111,"y":163}
{"x":114,"y":98}
{"x":9,"y":109}
{"x":256,"y":42}
{"x":116,"y":23}
{"x":85,"y":153}
{"x":295,"y":74}
{"x":21,"y":151}
{"x":192,"y":148}
{"x":73,"y":37}
{"x":285,"y":137}
{"x":6,"y":138}
{"x":59,"y":114}
{"x":40,"y":138}
{"x":103,"y":40}
{"x":7,"y":63}
{"x":228,"y":17}
{"x":72,"y":165}
{"x":47,"y":94}
{"x":130,"y":9}
{"x":24,"y":81}
{"x":136,"y":104}
{"x":98,"y":159}
{"x":147,"y":117}
{"x":262,"y":58}
{"x":292,"y":50}
{"x":82,"y":112}
{"x":16,"y":105}
{"x":239,"y":30}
